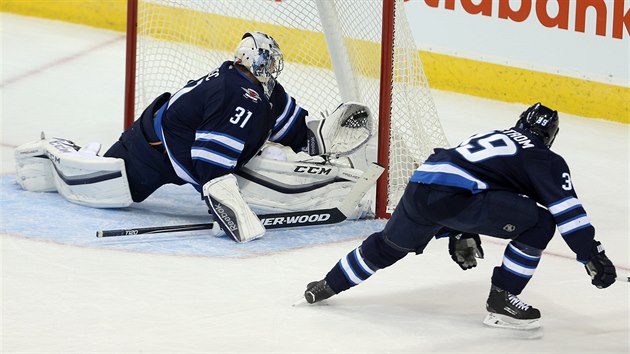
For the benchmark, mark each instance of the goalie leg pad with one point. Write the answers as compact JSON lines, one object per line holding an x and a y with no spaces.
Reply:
{"x":223,"y":197}
{"x":271,"y":186}
{"x":33,"y":168}
{"x":83,"y":177}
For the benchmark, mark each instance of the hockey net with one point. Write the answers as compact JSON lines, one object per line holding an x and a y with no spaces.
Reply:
{"x":332,"y":51}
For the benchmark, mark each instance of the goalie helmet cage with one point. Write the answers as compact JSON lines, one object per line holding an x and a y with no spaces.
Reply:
{"x":335,"y":51}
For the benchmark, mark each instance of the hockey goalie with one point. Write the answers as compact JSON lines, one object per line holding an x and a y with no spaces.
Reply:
{"x":276,"y":180}
{"x":235,"y":135}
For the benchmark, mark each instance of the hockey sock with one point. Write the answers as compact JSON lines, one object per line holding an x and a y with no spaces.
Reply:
{"x":351,"y":270}
{"x":358,"y":265}
{"x":519,"y":263}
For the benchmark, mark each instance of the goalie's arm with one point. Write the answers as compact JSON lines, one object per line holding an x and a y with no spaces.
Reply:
{"x":290,"y":126}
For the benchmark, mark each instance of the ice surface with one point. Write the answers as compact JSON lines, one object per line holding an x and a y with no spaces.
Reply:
{"x":65,"y":291}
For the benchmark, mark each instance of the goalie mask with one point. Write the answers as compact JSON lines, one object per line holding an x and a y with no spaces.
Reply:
{"x":260,"y":54}
{"x":541,"y":121}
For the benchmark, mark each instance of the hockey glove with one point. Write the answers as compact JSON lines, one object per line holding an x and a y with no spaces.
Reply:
{"x":600,"y":268}
{"x":464,"y":248}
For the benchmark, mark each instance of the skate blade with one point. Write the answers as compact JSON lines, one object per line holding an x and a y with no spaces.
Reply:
{"x":300,"y":302}
{"x":501,"y":321}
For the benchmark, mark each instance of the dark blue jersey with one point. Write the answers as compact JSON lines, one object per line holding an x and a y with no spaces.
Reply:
{"x":517,"y":161}
{"x":217,"y":123}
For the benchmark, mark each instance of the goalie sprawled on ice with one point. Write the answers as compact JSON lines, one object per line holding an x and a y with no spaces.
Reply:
{"x":211,"y":134}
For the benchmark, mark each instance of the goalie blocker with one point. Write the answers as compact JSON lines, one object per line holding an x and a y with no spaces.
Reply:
{"x":230,"y":211}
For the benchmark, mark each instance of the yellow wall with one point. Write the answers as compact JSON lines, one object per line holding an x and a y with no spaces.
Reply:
{"x":499,"y":82}
{"x":109,"y":14}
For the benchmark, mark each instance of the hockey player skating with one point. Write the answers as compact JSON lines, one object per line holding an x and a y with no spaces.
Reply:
{"x":203,"y":135}
{"x":489,"y":184}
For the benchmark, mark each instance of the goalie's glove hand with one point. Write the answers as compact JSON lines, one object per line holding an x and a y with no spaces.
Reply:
{"x":600,"y":268}
{"x":341,"y":132}
{"x":464,"y":249}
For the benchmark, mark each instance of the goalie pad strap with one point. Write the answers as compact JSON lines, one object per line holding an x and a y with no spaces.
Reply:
{"x":223,"y":197}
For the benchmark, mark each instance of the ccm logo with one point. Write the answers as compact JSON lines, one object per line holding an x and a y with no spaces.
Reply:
{"x":314,"y":170}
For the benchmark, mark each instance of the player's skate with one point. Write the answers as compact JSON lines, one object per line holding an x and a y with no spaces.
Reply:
{"x":508,"y":311}
{"x":317,"y":291}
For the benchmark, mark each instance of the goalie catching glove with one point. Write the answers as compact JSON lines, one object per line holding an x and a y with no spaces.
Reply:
{"x":342,"y":132}
{"x":223,"y":197}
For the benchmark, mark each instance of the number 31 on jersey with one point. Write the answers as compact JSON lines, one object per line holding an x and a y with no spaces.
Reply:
{"x":240,"y":117}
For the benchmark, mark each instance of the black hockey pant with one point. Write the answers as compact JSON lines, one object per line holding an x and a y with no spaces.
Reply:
{"x":425,"y":209}
{"x":147,"y":166}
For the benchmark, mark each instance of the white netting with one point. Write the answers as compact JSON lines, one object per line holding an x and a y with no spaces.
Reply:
{"x":181,"y":40}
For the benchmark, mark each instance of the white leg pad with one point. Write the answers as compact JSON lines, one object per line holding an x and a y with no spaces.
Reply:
{"x":237,"y":220}
{"x":33,"y":168}
{"x":80,"y":176}
{"x":272,"y":184}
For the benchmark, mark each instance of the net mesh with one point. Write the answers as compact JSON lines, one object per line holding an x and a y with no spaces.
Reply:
{"x":182,"y":40}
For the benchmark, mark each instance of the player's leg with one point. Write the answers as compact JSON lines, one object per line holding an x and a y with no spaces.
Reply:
{"x":520,"y":260}
{"x":406,"y":231}
{"x":146,"y":162}
{"x":522,"y":254}
{"x":511,"y":216}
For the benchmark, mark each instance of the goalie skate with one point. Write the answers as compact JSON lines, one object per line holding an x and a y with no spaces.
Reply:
{"x":506,"y":310}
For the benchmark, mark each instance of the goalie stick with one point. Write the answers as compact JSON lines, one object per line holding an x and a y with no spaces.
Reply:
{"x":278,"y":220}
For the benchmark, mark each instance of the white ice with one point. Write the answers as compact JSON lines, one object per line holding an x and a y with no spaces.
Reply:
{"x":68,"y":81}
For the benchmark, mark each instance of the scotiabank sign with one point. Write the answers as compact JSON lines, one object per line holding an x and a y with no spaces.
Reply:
{"x":552,"y":13}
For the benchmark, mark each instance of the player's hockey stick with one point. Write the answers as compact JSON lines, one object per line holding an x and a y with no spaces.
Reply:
{"x":278,"y":220}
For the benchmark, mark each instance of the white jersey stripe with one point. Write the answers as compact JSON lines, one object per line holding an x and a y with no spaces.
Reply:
{"x":212,"y":157}
{"x":285,"y":112}
{"x":574,"y":224}
{"x":450,"y":169}
{"x":278,"y":135}
{"x":222,"y":139}
{"x":564,"y":205}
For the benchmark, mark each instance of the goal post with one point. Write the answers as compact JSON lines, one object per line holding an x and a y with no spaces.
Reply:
{"x":385,"y":108}
{"x":335,"y":51}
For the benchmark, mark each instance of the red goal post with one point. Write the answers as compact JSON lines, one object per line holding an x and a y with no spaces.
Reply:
{"x":335,"y":51}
